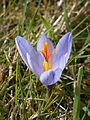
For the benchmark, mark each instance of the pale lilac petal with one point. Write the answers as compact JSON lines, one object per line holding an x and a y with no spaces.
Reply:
{"x":34,"y":66}
{"x":57,"y":76}
{"x":50,"y":77}
{"x":47,"y":77}
{"x":63,"y":50}
{"x":42,"y":39}
{"x":40,"y":61}
{"x":29,"y":55}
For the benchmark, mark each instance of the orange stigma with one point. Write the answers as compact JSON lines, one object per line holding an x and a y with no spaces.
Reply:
{"x":46,"y":53}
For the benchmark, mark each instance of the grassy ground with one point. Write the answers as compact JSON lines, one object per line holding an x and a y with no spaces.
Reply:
{"x":22,"y":96}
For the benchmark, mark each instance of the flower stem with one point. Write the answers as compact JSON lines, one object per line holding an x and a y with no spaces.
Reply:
{"x":48,"y":92}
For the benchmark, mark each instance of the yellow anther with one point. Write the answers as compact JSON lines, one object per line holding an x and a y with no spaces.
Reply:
{"x":45,"y":65}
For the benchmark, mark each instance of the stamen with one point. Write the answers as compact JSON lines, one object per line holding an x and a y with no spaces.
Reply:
{"x":46,"y":53}
{"x":51,"y":53}
{"x":48,"y":48}
{"x":45,"y":65}
{"x":43,"y":53}
{"x":45,"y":47}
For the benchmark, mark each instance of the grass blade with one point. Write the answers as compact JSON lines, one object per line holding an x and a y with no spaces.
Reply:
{"x":22,"y":23}
{"x":32,"y":21}
{"x":48,"y":27}
{"x":76,"y":105}
{"x":66,"y":18}
{"x":80,"y":32}
{"x":81,"y":23}
{"x":22,"y":96}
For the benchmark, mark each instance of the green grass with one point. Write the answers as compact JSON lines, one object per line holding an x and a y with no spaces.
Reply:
{"x":76,"y":104}
{"x":22,"y":96}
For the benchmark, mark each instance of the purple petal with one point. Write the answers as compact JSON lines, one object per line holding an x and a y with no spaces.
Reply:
{"x":42,"y":39}
{"x":29,"y":55}
{"x":34,"y":65}
{"x":57,"y":76}
{"x":63,"y":50}
{"x":50,"y":77}
{"x":47,"y":77}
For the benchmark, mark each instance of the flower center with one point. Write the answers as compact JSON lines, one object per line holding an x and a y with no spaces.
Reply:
{"x":46,"y":53}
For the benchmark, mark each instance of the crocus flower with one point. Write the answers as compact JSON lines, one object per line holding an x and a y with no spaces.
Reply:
{"x":46,"y":63}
